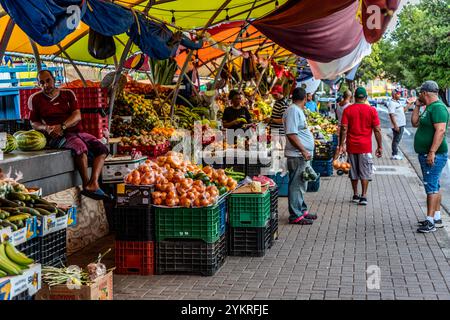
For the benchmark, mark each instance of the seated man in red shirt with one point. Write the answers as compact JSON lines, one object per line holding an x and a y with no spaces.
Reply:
{"x":359,"y":120}
{"x":56,"y":113}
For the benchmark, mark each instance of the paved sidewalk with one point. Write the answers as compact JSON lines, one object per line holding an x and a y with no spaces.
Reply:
{"x":329,"y":259}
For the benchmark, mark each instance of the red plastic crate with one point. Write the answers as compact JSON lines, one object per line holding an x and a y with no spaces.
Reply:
{"x":149,"y":151}
{"x":94,"y":123}
{"x":135,"y":257}
{"x":88,"y":98}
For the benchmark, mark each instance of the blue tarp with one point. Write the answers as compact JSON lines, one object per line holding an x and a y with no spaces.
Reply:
{"x":154,"y":39}
{"x":46,"y":22}
{"x":108,"y":18}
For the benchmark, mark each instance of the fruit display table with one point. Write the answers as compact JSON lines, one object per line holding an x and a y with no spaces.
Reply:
{"x":52,"y":170}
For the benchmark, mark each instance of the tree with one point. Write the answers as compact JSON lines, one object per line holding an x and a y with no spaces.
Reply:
{"x":371,"y":66}
{"x":419,"y":48}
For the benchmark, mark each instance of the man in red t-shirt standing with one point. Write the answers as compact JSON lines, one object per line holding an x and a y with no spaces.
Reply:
{"x":56,"y":113}
{"x":359,"y":120}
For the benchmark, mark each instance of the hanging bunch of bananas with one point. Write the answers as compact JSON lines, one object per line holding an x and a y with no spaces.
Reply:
{"x":186,"y":117}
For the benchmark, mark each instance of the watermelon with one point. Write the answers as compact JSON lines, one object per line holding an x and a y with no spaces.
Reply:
{"x":11,"y":144}
{"x":31,"y":140}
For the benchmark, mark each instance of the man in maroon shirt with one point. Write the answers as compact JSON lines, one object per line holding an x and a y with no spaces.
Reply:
{"x":56,"y":113}
{"x":359,"y":120}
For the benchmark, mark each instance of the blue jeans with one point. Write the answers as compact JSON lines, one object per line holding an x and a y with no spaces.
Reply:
{"x":432,"y":174}
{"x":297,"y":187}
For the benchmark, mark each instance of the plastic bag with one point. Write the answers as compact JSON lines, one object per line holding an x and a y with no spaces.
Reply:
{"x":100,"y":46}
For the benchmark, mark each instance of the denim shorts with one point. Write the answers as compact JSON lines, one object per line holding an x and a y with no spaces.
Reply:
{"x":432,"y":174}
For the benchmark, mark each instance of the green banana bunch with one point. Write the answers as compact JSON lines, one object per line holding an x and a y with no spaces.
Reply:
{"x":6,"y":265}
{"x":16,"y":256}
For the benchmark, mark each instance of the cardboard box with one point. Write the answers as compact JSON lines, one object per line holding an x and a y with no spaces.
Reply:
{"x":24,"y":234}
{"x":30,"y":280}
{"x":101,"y":289}
{"x":129,"y":195}
{"x":52,"y":223}
{"x":115,"y":170}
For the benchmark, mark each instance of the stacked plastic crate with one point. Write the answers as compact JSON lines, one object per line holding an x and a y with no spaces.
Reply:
{"x":250,"y":224}
{"x":134,"y":227}
{"x":93,"y":103}
{"x":191,"y":240}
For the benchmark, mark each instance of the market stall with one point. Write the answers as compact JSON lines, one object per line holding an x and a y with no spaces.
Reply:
{"x":184,"y":197}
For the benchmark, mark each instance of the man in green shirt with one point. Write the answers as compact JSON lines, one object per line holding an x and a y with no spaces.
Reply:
{"x":431,"y":145}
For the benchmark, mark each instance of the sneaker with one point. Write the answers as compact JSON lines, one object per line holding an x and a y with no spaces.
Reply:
{"x":308,"y":215}
{"x":437,"y":223}
{"x":427,"y":227}
{"x":302,"y":221}
{"x":362,"y":201}
{"x":356,"y":199}
{"x":397,"y":157}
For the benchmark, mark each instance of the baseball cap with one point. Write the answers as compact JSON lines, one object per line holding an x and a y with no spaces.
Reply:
{"x":397,"y":90}
{"x":360,"y":93}
{"x":277,"y":89}
{"x":429,"y":86}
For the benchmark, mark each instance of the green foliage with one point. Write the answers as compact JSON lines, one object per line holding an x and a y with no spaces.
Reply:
{"x":419,"y":47}
{"x":371,"y":66}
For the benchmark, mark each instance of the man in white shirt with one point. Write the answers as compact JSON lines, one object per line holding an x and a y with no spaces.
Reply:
{"x":398,"y":122}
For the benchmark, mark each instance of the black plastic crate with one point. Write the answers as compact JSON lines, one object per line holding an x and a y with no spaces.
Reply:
{"x":274,"y":228}
{"x":252,"y":170}
{"x":31,"y":249}
{"x":134,"y":223}
{"x":190,"y":257}
{"x":54,"y":249}
{"x":24,"y":296}
{"x":323,"y":151}
{"x":273,"y":201}
{"x":249,"y":242}
{"x":223,"y":205}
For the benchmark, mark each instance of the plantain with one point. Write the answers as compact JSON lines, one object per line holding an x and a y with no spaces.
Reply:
{"x":16,"y":256}
{"x":7,"y":203}
{"x":18,"y":217}
{"x":43,"y":212}
{"x":45,"y":202}
{"x":51,"y":209}
{"x":6,"y":223}
{"x":31,"y":211}
{"x":11,"y":210}
{"x":18,"y":196}
{"x":6,"y":264}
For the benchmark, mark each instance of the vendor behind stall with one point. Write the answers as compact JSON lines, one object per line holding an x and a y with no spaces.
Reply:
{"x":236,"y":116}
{"x":56,"y":113}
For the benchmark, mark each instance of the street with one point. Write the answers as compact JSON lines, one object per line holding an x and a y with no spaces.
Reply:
{"x":407,"y":148}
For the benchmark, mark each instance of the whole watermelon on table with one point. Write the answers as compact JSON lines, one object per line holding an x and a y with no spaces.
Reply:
{"x":30,"y":140}
{"x":11,"y":144}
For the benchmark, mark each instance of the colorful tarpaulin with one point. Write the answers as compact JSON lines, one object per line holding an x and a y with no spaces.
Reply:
{"x":186,"y":13}
{"x":329,"y":33}
{"x":221,"y":39}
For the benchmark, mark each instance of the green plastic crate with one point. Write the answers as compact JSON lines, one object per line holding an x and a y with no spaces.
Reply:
{"x":249,"y":209}
{"x":188,"y":223}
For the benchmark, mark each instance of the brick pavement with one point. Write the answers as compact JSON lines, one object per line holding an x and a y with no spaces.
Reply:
{"x":329,"y":259}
